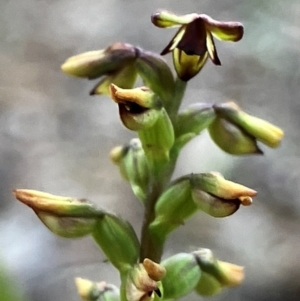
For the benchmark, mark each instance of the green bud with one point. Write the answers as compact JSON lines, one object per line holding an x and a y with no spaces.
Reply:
{"x":156,"y":74}
{"x":140,"y":286}
{"x":208,"y":285}
{"x":194,"y":119}
{"x":232,"y":139}
{"x":64,"y":216}
{"x":182,"y":276}
{"x":261,"y":130}
{"x":94,"y":64}
{"x":218,"y":197}
{"x":93,"y":291}
{"x":133,"y":166}
{"x":124,"y":78}
{"x":215,"y":184}
{"x":227,"y":274}
{"x":56,"y":205}
{"x":118,"y":241}
{"x":173,"y":207}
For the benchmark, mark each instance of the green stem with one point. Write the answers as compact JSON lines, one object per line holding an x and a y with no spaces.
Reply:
{"x":151,"y":247}
{"x":151,"y":244}
{"x":175,"y":103}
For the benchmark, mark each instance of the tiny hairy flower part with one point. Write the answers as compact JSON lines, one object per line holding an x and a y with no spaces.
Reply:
{"x":260,"y":129}
{"x":194,"y":119}
{"x":155,"y":271}
{"x":94,"y":64}
{"x":193,"y":43}
{"x":227,"y":274}
{"x":156,"y":74}
{"x":173,"y":207}
{"x":232,"y":139}
{"x":133,"y":166}
{"x":139,"y":285}
{"x":117,"y":240}
{"x":92,"y":291}
{"x":182,"y":276}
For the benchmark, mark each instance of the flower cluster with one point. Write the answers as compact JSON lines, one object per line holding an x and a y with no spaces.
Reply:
{"x":147,"y":163}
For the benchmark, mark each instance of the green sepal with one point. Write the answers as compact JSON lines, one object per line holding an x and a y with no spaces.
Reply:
{"x":194,"y":119}
{"x":64,"y":216}
{"x":67,"y":227}
{"x":158,"y":139}
{"x":156,"y":74}
{"x":260,"y":129}
{"x":208,"y":285}
{"x":124,"y":78}
{"x":118,"y":241}
{"x":232,"y":139}
{"x":133,"y":166}
{"x":214,"y":206}
{"x":183,"y":274}
{"x":173,"y":207}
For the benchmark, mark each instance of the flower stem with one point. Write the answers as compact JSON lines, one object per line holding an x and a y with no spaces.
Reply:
{"x":151,"y":244}
{"x":175,"y":103}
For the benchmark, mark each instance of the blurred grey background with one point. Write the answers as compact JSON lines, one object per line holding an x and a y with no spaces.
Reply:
{"x":54,"y":137}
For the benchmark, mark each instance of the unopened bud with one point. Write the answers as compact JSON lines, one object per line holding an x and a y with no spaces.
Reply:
{"x":56,"y":205}
{"x":94,"y":64}
{"x":217,"y":196}
{"x":232,"y":139}
{"x":260,"y":129}
{"x":64,"y":216}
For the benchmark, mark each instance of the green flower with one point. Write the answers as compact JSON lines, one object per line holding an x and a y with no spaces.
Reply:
{"x":193,"y":43}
